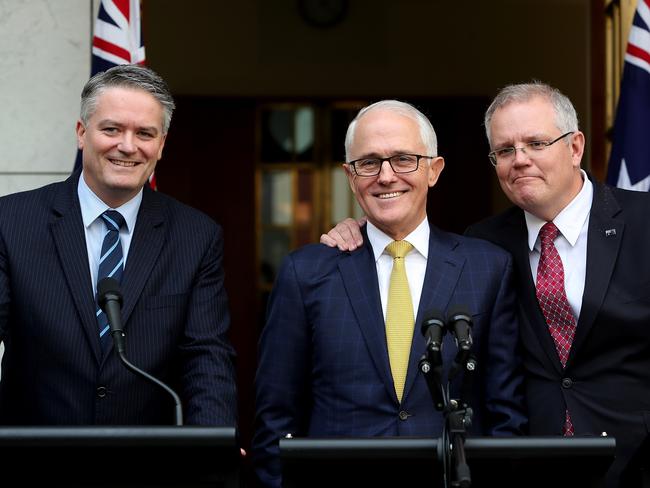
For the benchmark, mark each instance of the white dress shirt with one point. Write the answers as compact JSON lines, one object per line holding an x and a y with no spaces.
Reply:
{"x":571,"y":243}
{"x":92,"y":207}
{"x":415,"y":261}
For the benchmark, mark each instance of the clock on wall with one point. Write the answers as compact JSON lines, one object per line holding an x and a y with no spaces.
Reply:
{"x":323,"y":13}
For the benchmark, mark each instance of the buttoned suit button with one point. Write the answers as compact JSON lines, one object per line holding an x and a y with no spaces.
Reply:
{"x":567,"y":382}
{"x":404,"y":415}
{"x":101,"y":391}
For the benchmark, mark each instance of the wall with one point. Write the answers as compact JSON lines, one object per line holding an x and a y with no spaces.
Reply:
{"x":44,"y":62}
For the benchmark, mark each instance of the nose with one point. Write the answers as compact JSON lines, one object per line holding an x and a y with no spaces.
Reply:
{"x":127,"y":143}
{"x":386,"y":173}
{"x":520,"y":156}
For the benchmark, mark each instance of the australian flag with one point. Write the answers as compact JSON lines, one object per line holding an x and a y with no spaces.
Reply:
{"x":117,"y":40}
{"x":629,"y":164}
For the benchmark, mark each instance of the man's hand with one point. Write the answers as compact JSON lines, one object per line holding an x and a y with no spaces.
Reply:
{"x":346,"y":235}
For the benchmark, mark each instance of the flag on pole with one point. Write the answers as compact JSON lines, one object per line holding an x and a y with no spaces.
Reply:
{"x":117,"y":40}
{"x":629,"y":163}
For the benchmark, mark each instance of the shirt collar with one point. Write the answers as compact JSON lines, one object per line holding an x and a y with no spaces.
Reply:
{"x":92,"y":206}
{"x":419,"y":238}
{"x":570,"y":220}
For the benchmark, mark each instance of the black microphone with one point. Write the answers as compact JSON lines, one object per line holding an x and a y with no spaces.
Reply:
{"x":433,"y":329}
{"x":460,"y":324}
{"x":109,"y":298}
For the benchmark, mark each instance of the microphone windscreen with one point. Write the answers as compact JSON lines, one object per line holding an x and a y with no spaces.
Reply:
{"x":108,"y":287}
{"x":432,"y":317}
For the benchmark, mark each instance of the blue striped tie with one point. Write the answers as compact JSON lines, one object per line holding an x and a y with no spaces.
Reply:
{"x":111,"y":264}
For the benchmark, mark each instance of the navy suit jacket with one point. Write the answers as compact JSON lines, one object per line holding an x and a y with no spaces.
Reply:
{"x":606,"y":382}
{"x":174,"y":314}
{"x":324,"y":369}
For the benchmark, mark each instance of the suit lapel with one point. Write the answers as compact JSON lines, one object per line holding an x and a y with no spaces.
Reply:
{"x":603,"y":243}
{"x":514,"y":239}
{"x":444,"y":267}
{"x":70,"y":241}
{"x":359,"y":274}
{"x":147,"y":242}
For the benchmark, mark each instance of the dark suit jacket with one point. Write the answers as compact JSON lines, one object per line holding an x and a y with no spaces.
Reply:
{"x":324,"y":368}
{"x":606,"y":382}
{"x":175,"y":316}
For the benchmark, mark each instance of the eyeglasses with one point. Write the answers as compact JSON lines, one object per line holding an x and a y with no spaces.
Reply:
{"x":507,"y":154}
{"x":400,"y":163}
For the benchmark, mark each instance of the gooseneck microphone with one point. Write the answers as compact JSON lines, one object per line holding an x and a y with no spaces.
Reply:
{"x":109,"y":298}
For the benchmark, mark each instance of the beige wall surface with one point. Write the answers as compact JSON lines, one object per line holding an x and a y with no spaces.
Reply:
{"x":44,"y":62}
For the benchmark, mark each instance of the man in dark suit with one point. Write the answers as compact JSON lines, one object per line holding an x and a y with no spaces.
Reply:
{"x":588,"y":374}
{"x":59,"y":366}
{"x":330,"y":357}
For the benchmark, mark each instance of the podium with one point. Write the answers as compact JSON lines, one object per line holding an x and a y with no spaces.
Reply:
{"x":119,"y":456}
{"x":549,"y":462}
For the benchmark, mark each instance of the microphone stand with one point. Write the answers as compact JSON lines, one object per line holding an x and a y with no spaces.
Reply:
{"x":457,"y":413}
{"x":118,"y":337}
{"x":458,"y":417}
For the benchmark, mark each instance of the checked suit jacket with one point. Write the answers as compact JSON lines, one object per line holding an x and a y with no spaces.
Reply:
{"x":606,"y":382}
{"x":323,"y":362}
{"x":174,"y":315}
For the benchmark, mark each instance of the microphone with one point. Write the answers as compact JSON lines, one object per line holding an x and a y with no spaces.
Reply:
{"x":460,"y":324}
{"x":109,"y":298}
{"x":433,"y":329}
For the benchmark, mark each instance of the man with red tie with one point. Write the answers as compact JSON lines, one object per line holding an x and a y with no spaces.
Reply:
{"x":582,"y":267}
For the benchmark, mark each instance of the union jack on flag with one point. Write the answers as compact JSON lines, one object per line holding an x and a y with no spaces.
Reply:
{"x":117,"y":38}
{"x":629,"y":163}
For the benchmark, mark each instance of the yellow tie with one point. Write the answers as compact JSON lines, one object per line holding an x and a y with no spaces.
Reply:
{"x":399,"y":316}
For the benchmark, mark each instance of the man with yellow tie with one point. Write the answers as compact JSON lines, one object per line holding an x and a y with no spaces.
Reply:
{"x":339,"y":355}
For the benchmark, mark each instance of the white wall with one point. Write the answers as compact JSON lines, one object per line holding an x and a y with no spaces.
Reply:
{"x":44,"y":63}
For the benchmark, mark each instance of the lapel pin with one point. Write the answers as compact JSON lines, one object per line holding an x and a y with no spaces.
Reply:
{"x":610,"y":232}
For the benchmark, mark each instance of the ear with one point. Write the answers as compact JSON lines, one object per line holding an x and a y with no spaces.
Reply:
{"x":351,"y":176}
{"x":81,"y":131}
{"x":577,"y":148}
{"x":435,"y":168}
{"x":162,"y":144}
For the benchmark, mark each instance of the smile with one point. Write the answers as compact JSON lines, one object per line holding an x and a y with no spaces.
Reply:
{"x":122,"y":162}
{"x":390,"y":195}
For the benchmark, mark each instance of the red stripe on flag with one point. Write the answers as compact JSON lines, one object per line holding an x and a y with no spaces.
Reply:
{"x":112,"y":48}
{"x":636,"y":51}
{"x":647,"y":2}
{"x":123,"y":6}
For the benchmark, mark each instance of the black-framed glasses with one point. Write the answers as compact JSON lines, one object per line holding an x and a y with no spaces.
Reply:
{"x":400,"y":163}
{"x":507,"y":154}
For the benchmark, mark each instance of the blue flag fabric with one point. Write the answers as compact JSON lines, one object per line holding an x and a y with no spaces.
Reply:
{"x":629,"y":163}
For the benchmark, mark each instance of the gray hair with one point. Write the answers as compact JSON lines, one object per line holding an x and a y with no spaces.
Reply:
{"x":427,"y":133}
{"x":566,"y":118}
{"x":132,"y":76}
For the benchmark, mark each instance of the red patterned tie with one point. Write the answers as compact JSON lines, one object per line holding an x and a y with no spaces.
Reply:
{"x":552,"y":299}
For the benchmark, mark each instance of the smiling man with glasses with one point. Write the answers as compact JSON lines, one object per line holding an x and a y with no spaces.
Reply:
{"x":582,"y":272}
{"x":339,"y":352}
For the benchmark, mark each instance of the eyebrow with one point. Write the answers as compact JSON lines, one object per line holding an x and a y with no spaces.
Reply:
{"x":105,"y":122}
{"x":534,"y":137}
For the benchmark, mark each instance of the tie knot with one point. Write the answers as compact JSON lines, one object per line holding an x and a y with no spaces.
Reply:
{"x":548,"y":233}
{"x":113,"y":219}
{"x":399,"y":249}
